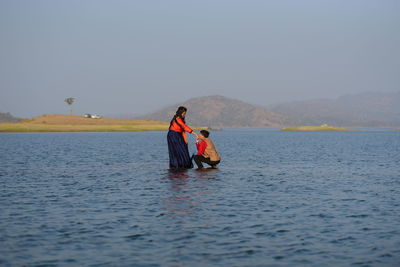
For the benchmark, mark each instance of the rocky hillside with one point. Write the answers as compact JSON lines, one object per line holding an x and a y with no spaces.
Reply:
{"x":365,"y":110}
{"x":220,"y":111}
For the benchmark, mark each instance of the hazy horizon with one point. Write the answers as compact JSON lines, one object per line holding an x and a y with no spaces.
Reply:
{"x":138,"y":56}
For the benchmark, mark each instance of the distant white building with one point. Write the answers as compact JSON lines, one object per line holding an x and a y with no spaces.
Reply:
{"x":94,"y":116}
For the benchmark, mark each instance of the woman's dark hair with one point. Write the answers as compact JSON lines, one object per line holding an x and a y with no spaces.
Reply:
{"x":205,"y":133}
{"x":178,"y":114}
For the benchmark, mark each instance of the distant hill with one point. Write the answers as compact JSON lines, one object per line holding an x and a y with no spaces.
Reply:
{"x":7,"y":117}
{"x":220,"y":111}
{"x":363,"y":110}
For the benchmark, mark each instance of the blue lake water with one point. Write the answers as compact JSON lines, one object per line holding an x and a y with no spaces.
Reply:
{"x":278,"y":199}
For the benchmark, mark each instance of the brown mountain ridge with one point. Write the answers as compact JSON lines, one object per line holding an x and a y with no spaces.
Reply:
{"x":219,"y":111}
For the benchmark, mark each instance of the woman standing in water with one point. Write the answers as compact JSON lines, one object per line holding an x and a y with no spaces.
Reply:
{"x":177,"y":141}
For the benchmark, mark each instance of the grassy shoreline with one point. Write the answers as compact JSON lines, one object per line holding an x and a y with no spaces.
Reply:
{"x":26,"y":127}
{"x":74,"y":123}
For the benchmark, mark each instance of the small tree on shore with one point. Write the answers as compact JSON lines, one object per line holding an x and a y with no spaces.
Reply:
{"x":70,"y":101}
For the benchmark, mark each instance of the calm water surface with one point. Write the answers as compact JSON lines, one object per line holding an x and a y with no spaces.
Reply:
{"x":278,"y":199}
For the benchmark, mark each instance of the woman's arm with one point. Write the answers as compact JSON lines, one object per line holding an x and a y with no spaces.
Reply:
{"x":184,"y":126}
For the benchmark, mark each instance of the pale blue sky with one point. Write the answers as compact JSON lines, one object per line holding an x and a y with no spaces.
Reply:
{"x":137,"y":56}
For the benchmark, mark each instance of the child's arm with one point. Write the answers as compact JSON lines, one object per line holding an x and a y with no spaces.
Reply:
{"x":201,"y":147}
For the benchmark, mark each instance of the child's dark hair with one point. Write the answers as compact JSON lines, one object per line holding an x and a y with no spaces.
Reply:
{"x":205,"y":133}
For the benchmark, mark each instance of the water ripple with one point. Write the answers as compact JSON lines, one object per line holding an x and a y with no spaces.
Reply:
{"x":98,"y":199}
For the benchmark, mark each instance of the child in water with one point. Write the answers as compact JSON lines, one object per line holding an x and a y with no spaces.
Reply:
{"x":206,"y":151}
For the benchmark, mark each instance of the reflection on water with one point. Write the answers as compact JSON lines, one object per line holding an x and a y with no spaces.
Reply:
{"x":179,"y":200}
{"x":204,"y":173}
{"x":183,"y":206}
{"x":177,"y":174}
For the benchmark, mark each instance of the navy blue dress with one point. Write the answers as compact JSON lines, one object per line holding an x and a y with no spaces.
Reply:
{"x":178,"y":151}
